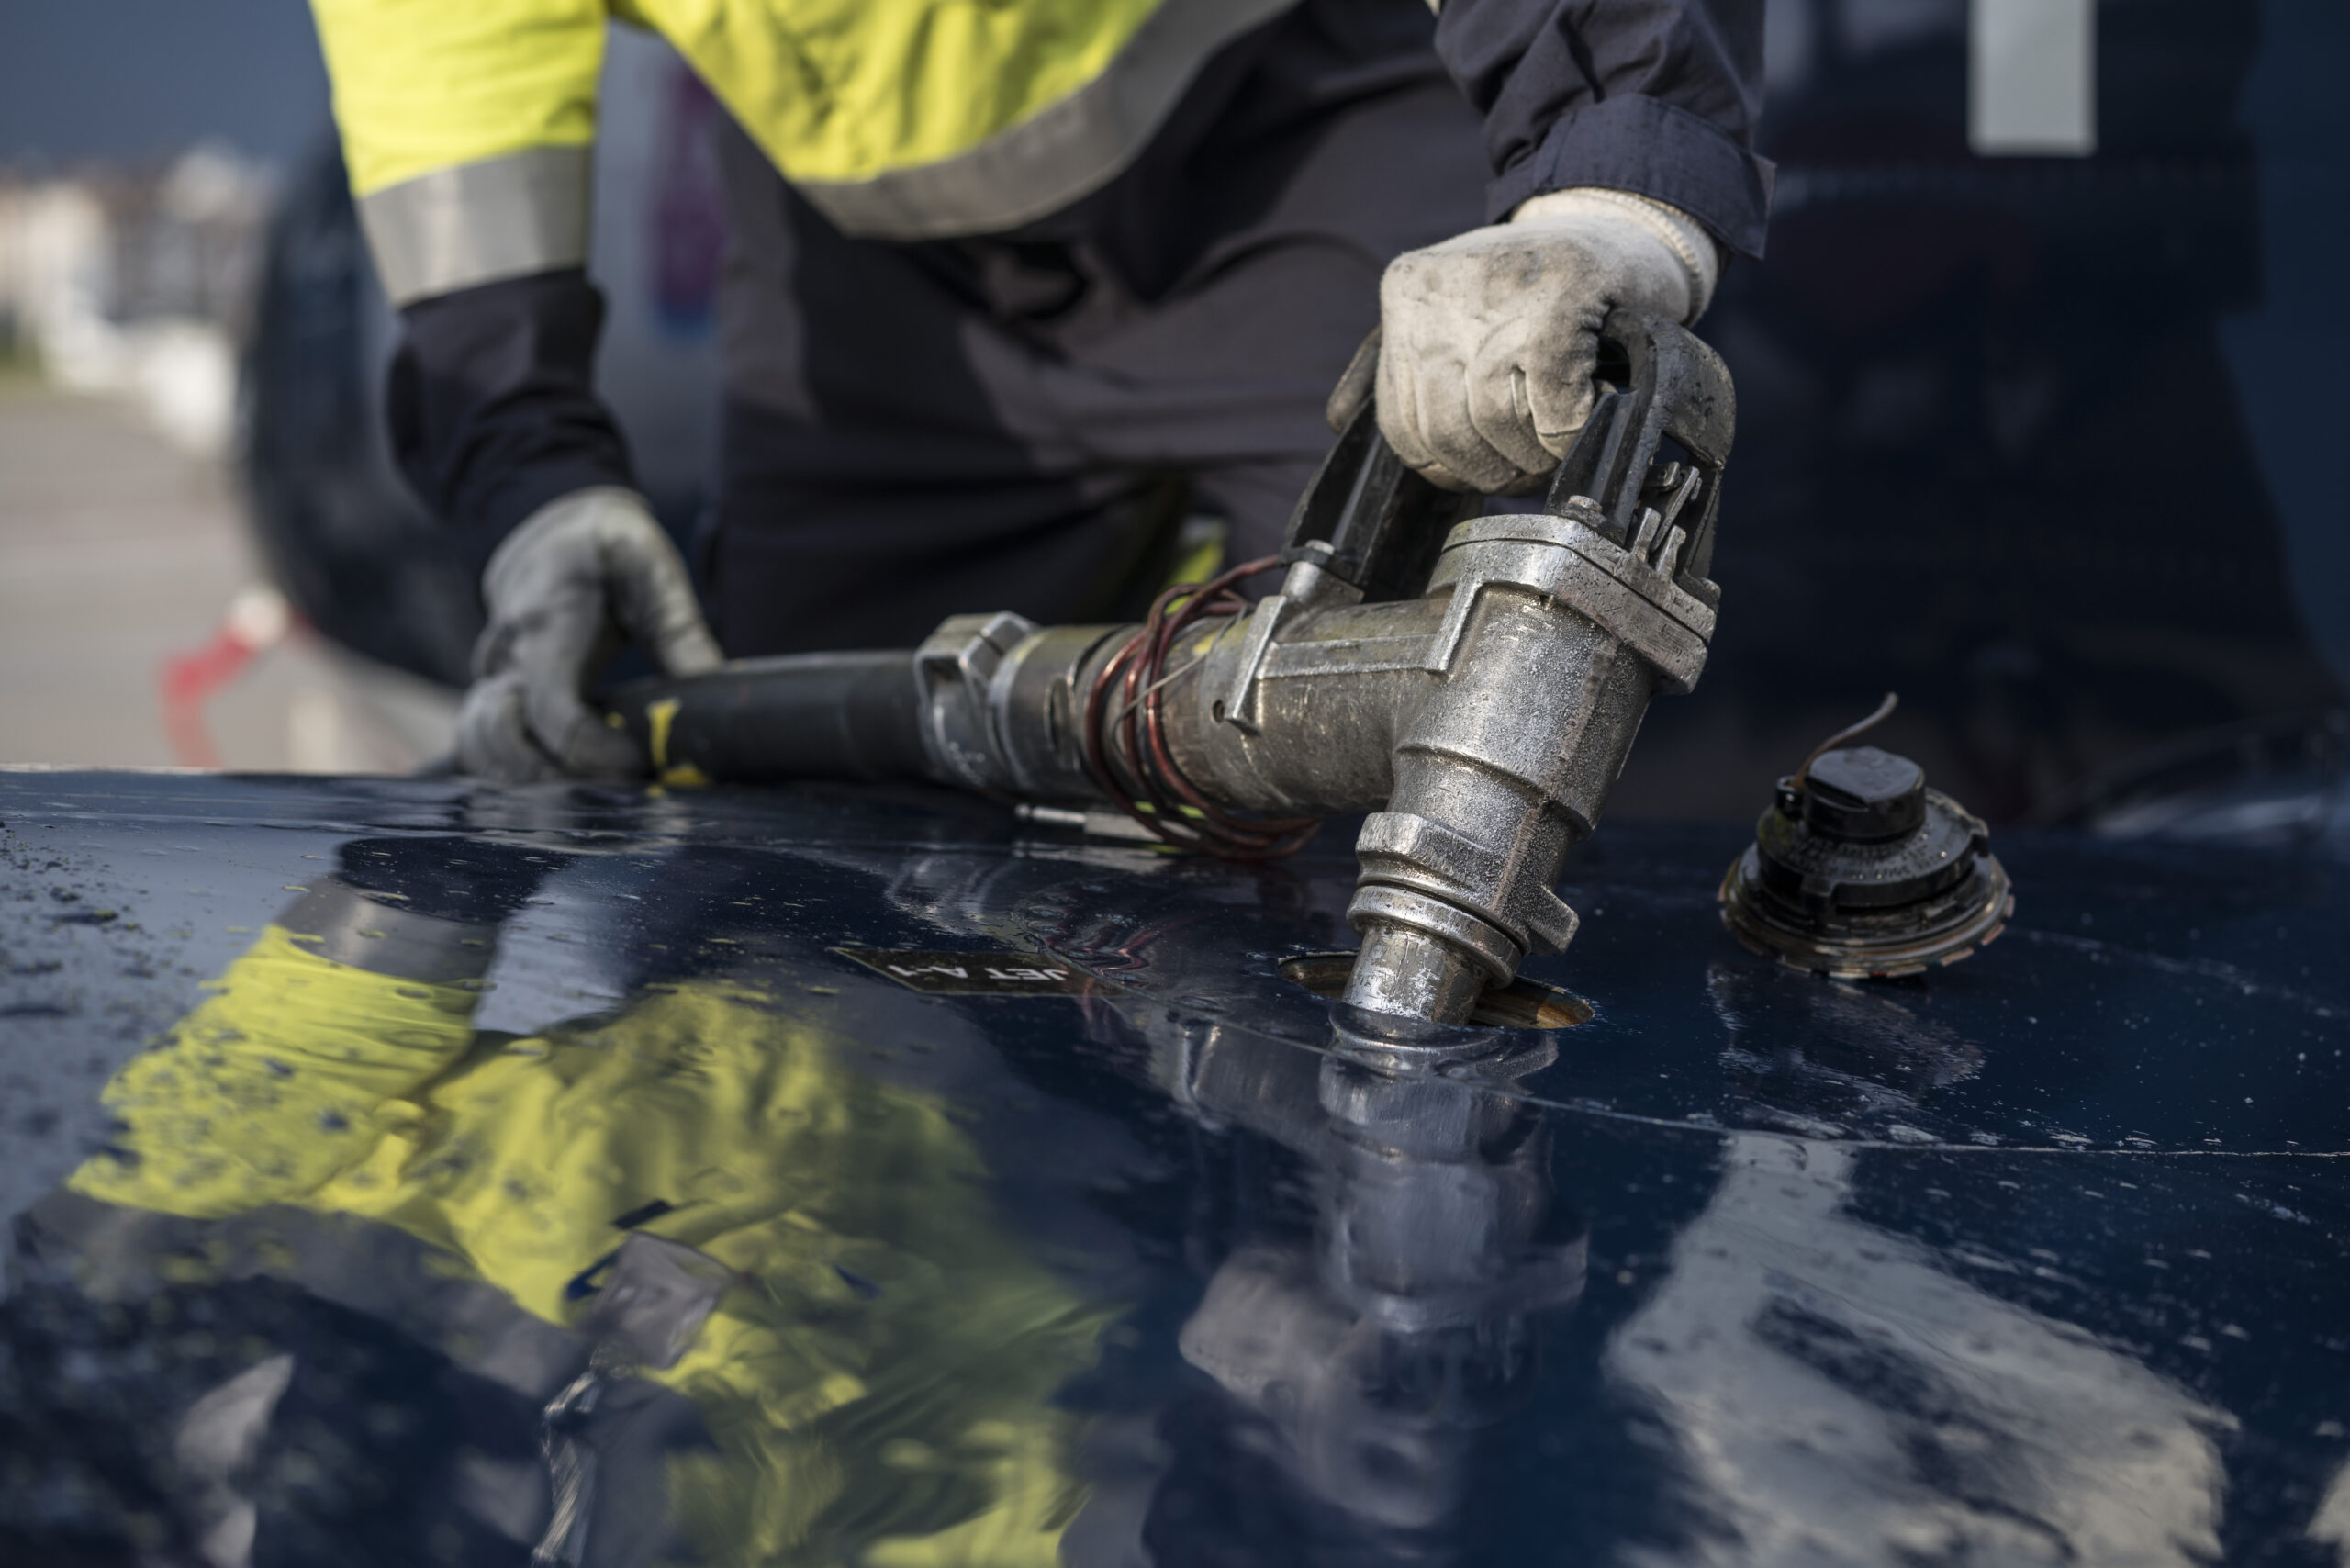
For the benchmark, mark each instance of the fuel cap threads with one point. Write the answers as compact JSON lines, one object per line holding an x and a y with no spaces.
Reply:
{"x":1859,"y":870}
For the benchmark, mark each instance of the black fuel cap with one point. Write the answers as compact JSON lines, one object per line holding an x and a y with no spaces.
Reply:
{"x":1859,"y":870}
{"x":1862,"y":795}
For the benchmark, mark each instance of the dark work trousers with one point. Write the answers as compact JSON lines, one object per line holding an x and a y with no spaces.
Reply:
{"x":1016,"y":422}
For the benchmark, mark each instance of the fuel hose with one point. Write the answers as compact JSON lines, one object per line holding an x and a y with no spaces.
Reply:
{"x":853,"y":716}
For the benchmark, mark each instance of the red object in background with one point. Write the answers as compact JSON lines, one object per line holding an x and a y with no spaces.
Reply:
{"x":257,"y":621}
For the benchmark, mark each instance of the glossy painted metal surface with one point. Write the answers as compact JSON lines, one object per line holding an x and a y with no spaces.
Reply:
{"x":2035,"y":1259}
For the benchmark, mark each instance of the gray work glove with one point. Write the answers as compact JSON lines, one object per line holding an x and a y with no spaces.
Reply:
{"x":1488,"y":341}
{"x":584,"y":573}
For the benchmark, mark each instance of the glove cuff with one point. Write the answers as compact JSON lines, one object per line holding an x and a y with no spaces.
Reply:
{"x":1678,"y":232}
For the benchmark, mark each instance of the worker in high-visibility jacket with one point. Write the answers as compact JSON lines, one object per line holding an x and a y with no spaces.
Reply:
{"x":1010,"y":286}
{"x":877,"y":1382}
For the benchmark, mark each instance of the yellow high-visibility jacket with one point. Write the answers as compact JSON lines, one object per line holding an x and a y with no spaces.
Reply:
{"x":467,"y":123}
{"x":880,"y":1385}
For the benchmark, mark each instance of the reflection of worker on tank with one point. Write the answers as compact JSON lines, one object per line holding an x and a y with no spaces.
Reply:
{"x":856,"y":1354}
{"x":1012,"y":291}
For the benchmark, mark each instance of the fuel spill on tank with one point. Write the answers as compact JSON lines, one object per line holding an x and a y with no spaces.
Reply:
{"x":417,"y":1172}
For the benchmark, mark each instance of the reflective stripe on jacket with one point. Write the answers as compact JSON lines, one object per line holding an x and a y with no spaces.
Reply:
{"x":465,"y":122}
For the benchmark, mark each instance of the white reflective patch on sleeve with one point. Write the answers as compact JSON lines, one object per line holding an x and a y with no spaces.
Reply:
{"x":475,"y":223}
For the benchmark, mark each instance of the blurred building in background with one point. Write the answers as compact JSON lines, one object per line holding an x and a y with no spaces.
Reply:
{"x":138,"y":281}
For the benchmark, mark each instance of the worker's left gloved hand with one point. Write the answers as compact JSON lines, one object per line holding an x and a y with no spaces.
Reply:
{"x":1488,"y":341}
{"x":582,"y":575}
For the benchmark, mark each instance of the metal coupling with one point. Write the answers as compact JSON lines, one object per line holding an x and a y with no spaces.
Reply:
{"x":1000,"y":705}
{"x":956,"y":668}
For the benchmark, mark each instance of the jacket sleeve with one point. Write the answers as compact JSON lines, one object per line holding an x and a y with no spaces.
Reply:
{"x":467,"y":128}
{"x":493,"y":404}
{"x":1655,"y":97}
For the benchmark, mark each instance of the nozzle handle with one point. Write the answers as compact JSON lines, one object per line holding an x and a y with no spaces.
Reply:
{"x":1665,"y":399}
{"x":1368,"y":519}
{"x":1657,"y":438}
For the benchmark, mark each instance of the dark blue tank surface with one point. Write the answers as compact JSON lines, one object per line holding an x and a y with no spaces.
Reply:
{"x":348,"y":1129}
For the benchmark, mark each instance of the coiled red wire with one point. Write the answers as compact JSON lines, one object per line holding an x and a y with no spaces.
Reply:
{"x":1142,"y":777}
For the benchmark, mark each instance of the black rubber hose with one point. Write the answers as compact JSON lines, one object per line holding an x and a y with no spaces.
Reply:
{"x":851,"y":716}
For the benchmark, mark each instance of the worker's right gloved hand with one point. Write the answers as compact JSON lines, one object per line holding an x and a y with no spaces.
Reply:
{"x":1488,"y":341}
{"x":582,"y":575}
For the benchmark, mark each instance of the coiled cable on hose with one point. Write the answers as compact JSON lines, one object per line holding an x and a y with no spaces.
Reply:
{"x":1140,"y":776}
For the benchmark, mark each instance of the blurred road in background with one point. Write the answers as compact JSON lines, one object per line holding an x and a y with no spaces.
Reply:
{"x":119,"y":551}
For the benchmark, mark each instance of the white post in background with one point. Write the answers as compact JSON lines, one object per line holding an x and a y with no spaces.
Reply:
{"x":2032,"y":78}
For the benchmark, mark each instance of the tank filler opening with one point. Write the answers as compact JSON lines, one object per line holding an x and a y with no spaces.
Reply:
{"x":1521,"y":1004}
